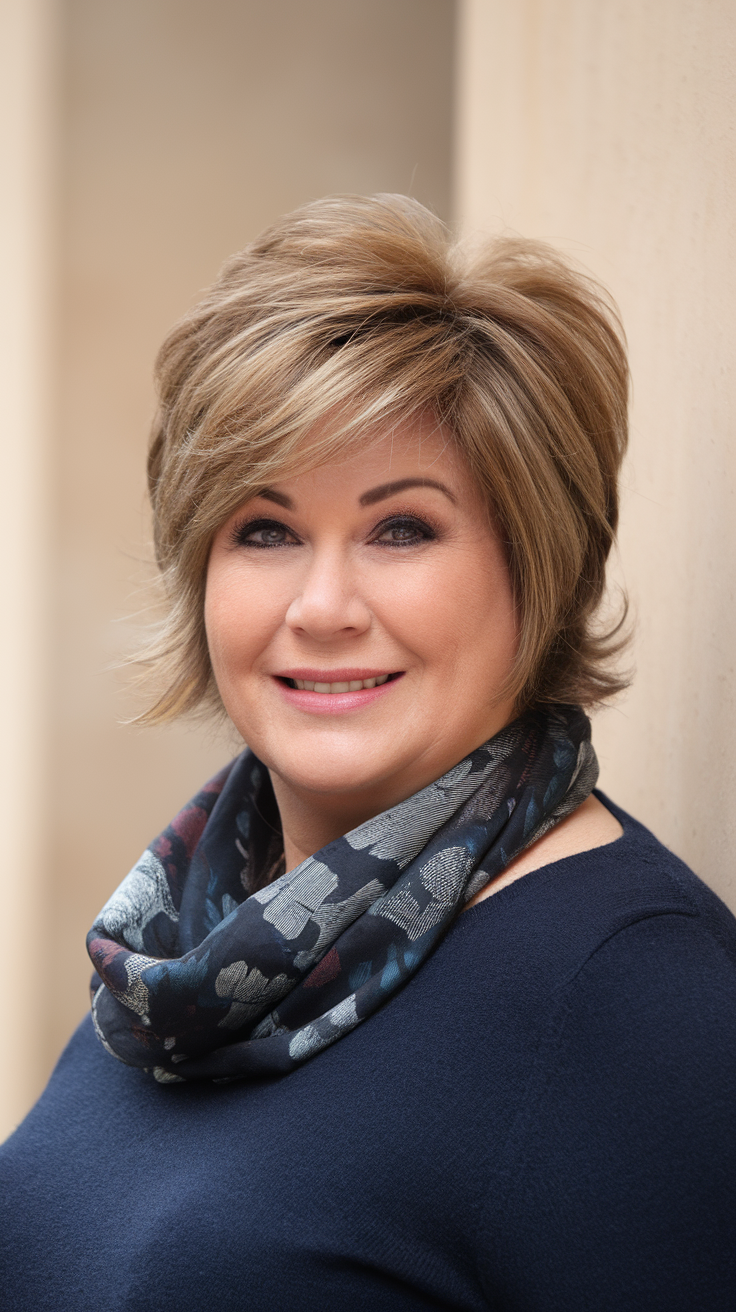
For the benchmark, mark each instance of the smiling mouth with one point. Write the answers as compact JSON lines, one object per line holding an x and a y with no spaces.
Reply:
{"x":353,"y":685}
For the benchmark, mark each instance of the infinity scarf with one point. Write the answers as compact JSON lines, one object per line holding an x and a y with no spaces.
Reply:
{"x":202,"y":974}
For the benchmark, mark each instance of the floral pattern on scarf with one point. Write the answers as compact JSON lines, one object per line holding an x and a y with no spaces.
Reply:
{"x":202,"y":974}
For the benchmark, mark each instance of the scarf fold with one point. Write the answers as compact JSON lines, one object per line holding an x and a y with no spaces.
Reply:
{"x":202,"y":974}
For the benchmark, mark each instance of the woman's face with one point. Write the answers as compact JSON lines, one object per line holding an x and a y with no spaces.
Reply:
{"x":360,"y":621}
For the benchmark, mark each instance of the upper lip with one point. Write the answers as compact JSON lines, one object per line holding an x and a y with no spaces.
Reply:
{"x":332,"y":676}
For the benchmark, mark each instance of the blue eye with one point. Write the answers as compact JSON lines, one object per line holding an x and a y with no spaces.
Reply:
{"x":263,"y":533}
{"x":403,"y":532}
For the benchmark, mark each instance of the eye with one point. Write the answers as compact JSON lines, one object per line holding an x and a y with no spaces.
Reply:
{"x":403,"y":531}
{"x":263,"y":533}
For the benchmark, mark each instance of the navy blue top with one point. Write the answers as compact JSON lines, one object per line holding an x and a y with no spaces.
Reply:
{"x":543,"y":1119}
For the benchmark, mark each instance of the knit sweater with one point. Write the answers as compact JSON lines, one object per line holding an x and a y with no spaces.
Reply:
{"x":542,"y":1120}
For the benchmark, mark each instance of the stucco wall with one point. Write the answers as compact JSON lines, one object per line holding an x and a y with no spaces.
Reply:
{"x":609,"y":130}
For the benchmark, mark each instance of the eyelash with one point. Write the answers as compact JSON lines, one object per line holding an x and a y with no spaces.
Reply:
{"x":428,"y":534}
{"x":242,"y":532}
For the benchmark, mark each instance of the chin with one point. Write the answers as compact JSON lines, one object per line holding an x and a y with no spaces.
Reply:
{"x":331,"y":779}
{"x":341,"y":769}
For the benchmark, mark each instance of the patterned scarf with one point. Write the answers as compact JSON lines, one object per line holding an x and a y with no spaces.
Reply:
{"x":198,"y":976}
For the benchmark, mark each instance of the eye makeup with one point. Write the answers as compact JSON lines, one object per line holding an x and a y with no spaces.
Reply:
{"x":244,"y":534}
{"x":264,"y":533}
{"x":414,"y":529}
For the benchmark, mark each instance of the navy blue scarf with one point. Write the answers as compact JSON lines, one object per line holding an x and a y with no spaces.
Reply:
{"x":204,"y":970}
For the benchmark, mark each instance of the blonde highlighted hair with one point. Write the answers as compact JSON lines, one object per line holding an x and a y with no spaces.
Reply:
{"x":354,"y":314}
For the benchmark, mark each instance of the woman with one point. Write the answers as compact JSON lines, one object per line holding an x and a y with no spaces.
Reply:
{"x":437,"y":1025}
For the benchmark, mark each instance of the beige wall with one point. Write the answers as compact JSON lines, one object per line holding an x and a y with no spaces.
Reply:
{"x":27,"y":233}
{"x":609,"y":129}
{"x":182,"y":128}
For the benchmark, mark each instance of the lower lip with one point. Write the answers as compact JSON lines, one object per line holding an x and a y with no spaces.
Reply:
{"x":334,"y":703}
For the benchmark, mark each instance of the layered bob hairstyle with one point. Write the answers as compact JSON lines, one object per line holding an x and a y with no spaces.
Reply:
{"x":353,"y":315}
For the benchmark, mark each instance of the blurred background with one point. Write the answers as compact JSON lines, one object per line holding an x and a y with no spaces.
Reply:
{"x":141,"y":142}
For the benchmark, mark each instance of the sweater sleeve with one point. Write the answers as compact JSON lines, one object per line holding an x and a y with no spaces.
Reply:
{"x":617,"y":1189}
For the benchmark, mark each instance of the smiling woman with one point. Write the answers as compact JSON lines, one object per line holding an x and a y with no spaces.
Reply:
{"x":383,"y":477}
{"x":363,"y":580}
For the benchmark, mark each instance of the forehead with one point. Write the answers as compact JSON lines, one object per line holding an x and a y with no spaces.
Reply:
{"x":419,"y":449}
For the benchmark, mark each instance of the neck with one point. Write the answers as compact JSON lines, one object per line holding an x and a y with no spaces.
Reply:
{"x":309,"y":821}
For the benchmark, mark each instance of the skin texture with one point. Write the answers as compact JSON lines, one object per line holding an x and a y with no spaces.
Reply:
{"x":342,"y":570}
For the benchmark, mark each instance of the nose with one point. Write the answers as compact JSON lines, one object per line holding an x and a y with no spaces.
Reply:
{"x":329,"y":604}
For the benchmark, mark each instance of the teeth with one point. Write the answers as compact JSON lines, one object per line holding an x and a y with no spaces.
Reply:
{"x":354,"y":685}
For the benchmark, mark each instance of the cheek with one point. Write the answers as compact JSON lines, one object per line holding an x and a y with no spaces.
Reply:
{"x":462,"y":612}
{"x":239,"y":615}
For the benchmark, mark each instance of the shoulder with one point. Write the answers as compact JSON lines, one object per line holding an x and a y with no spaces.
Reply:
{"x":620,"y":1166}
{"x":605,"y":869}
{"x":656,"y":985}
{"x":574,"y":916}
{"x":655,"y":882}
{"x":640,"y":978}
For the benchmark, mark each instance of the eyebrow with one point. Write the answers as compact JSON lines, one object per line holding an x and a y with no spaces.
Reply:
{"x":368,"y":498}
{"x":270,"y":494}
{"x":401,"y":484}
